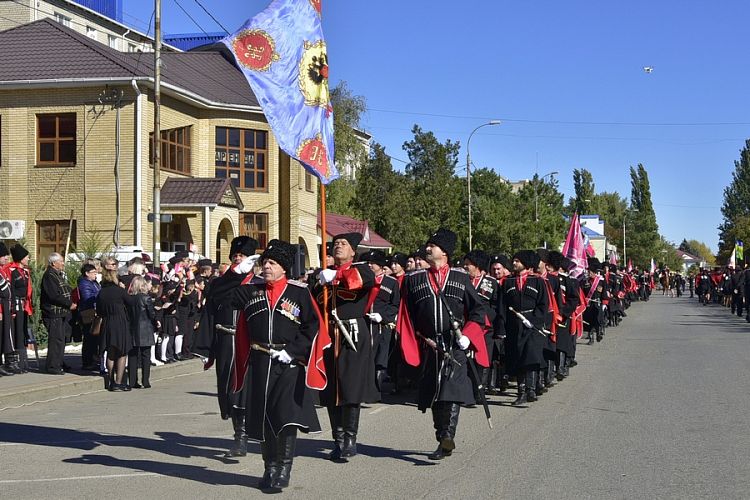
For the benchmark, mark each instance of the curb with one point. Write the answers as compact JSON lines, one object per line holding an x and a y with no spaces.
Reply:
{"x":76,"y":385}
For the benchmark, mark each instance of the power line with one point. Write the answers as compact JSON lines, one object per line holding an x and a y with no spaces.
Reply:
{"x":561,"y":122}
{"x":190,"y":17}
{"x":212,"y":16}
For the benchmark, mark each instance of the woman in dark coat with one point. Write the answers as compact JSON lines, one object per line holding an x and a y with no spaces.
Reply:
{"x":112,"y":305}
{"x":142,"y":324}
{"x":187,"y":310}
{"x":275,"y":334}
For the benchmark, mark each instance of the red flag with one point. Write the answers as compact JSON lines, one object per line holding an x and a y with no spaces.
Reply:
{"x":574,"y":248}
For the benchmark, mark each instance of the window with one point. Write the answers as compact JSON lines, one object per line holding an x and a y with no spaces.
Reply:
{"x":64,"y":20}
{"x":241,"y":156}
{"x":52,"y":236}
{"x":309,"y":180}
{"x":132,"y":47}
{"x":112,"y":39}
{"x":56,"y":139}
{"x":91,"y":32}
{"x":175,"y":150}
{"x":255,"y":225}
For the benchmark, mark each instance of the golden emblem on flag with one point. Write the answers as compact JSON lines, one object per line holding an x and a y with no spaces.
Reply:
{"x":255,"y":49}
{"x":313,"y":153}
{"x":313,"y":75}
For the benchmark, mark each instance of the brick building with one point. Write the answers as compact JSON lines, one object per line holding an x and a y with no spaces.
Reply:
{"x":68,"y":104}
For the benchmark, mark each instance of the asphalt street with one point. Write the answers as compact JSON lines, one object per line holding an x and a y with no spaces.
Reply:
{"x":657,"y":410}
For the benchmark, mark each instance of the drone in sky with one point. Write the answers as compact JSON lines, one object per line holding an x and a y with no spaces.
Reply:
{"x":648,"y":69}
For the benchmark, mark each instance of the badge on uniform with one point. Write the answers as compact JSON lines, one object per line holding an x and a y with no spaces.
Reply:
{"x":290,"y":310}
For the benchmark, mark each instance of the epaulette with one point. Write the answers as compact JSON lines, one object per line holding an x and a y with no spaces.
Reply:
{"x":460,"y":270}
{"x":297,"y":283}
{"x":416,"y":271}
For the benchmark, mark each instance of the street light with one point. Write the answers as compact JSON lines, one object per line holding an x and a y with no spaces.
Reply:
{"x":468,"y":170}
{"x":624,"y":250}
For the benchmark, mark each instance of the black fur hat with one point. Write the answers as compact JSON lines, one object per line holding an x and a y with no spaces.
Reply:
{"x":478,"y":258}
{"x":18,"y":252}
{"x":501,"y":259}
{"x":376,"y":257}
{"x":354,"y":239}
{"x":399,"y":258}
{"x":529,"y":258}
{"x":555,"y":259}
{"x":594,"y":264}
{"x":3,"y":250}
{"x":543,"y":254}
{"x":244,"y":245}
{"x":445,"y":239}
{"x":281,"y":252}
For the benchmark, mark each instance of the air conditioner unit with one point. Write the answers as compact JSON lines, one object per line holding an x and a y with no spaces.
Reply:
{"x":12,"y":229}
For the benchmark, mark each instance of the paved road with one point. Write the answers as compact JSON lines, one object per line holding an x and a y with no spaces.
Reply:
{"x":658,"y":410}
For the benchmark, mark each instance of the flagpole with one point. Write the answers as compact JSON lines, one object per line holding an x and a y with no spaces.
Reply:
{"x":324,"y":253}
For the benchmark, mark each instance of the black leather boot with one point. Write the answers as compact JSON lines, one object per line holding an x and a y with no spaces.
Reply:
{"x":531,"y":378}
{"x":441,"y":418}
{"x":351,"y":427}
{"x":270,"y":463}
{"x":449,"y":443}
{"x":521,"y":399}
{"x":550,"y":374}
{"x":539,"y":386}
{"x":337,"y":430}
{"x":239,"y":449}
{"x":562,"y":369}
{"x":14,"y":363}
{"x":5,"y":371}
{"x":285,"y":445}
{"x":591,"y":338}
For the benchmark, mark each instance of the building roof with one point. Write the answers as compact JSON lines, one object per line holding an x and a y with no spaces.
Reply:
{"x":197,"y":192}
{"x":590,"y":232}
{"x":338,"y":224}
{"x":204,"y":76}
{"x":189,"y":41}
{"x":688,"y":256}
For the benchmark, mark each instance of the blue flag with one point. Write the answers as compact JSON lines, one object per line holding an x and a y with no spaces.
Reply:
{"x":282,"y":53}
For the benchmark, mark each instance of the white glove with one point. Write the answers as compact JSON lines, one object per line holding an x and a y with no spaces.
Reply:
{"x":326,"y":276}
{"x":464,"y":342}
{"x":281,"y":356}
{"x":375,"y":317}
{"x":246,"y":265}
{"x":527,"y":323}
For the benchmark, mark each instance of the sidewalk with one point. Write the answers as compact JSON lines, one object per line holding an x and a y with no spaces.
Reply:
{"x":36,"y":386}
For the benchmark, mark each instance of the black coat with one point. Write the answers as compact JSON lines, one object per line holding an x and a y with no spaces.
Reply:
{"x":524,"y":346}
{"x":443,"y":380}
{"x":386,"y":304}
{"x":142,"y":320}
{"x":112,"y":305}
{"x":570,"y":302}
{"x":353,"y":379}
{"x":277,"y":393}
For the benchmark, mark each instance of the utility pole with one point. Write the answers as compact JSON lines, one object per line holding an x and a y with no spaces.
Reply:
{"x":157,"y":136}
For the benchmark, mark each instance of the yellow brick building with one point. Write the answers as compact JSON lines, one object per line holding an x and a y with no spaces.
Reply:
{"x":76,"y":123}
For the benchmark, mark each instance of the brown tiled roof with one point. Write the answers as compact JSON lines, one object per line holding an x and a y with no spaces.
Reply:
{"x":338,"y":224}
{"x":47,"y":50}
{"x":196,"y":191}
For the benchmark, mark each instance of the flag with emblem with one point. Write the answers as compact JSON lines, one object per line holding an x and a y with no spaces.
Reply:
{"x":739,"y":248}
{"x":575,"y":249}
{"x":282,"y":54}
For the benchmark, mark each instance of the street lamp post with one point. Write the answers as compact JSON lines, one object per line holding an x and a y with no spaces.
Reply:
{"x":536,"y":200}
{"x":468,"y":171}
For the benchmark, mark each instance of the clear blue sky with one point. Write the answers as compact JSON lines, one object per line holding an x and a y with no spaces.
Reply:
{"x":566,"y":78}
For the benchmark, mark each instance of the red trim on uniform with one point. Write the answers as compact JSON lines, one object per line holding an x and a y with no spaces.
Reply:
{"x":349,"y":277}
{"x":316,"y":376}
{"x":475,"y":332}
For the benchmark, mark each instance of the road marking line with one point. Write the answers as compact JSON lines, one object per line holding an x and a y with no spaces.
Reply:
{"x":179,"y":414}
{"x":12,"y":481}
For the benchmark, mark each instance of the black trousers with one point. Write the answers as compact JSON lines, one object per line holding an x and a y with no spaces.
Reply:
{"x":56,"y":332}
{"x":90,"y":347}
{"x":139,"y":356}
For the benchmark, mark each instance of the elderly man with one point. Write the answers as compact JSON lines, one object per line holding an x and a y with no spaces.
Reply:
{"x":56,"y":308}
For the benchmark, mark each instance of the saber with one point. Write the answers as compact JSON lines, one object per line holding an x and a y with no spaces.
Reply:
{"x":260,"y":348}
{"x":343,"y":330}
{"x":446,"y":355}
{"x":524,"y":319}
{"x":226,"y":329}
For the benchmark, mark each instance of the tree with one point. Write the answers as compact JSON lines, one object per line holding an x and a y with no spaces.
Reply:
{"x":643,"y":240}
{"x":493,"y":211}
{"x":583,"y":185}
{"x":435,"y":199}
{"x":699,"y":249}
{"x":736,"y":206}
{"x":350,"y":150}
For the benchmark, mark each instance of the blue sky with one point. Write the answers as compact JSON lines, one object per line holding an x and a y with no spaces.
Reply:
{"x":566,"y":78}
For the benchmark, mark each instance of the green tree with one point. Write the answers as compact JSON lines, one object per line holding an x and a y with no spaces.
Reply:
{"x":643,"y":240}
{"x":583,"y":185}
{"x":699,"y":249}
{"x":736,"y":206}
{"x":436,"y":193}
{"x":350,"y":149}
{"x":493,"y":211}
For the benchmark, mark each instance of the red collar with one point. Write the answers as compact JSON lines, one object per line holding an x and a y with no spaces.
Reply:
{"x":438,"y":276}
{"x":274,"y":289}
